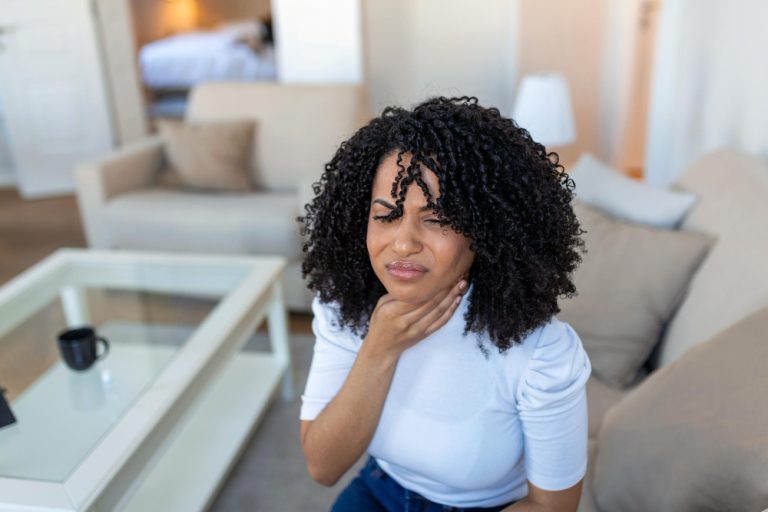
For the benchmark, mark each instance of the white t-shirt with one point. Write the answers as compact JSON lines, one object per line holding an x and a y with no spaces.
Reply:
{"x":463,"y":430}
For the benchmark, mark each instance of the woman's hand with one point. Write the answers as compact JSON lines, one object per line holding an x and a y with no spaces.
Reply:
{"x":396,"y":325}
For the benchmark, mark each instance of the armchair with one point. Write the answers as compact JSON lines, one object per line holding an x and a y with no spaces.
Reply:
{"x":298,"y":127}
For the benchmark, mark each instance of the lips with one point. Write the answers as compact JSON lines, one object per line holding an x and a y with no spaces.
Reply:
{"x":406,"y":270}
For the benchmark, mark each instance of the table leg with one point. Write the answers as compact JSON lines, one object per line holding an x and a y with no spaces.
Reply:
{"x":75,"y":305}
{"x":278,"y":338}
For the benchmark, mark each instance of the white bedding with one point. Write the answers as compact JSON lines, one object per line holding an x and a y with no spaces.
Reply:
{"x":180,"y":61}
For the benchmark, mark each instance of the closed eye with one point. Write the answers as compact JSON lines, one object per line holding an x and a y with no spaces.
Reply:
{"x":436,"y":222}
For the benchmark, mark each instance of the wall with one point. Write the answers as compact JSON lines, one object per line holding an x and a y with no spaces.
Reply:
{"x":708,"y":86}
{"x":318,"y":42}
{"x":155,"y":19}
{"x":7,"y":176}
{"x":211,"y":12}
{"x":129,"y":113}
{"x":567,"y":37}
{"x":420,"y":48}
{"x":631,"y":155}
{"x":629,"y":36}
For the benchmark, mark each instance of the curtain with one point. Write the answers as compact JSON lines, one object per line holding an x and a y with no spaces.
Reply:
{"x":710,"y":83}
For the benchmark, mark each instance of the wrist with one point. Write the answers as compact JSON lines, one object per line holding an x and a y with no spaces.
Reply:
{"x":378,"y":355}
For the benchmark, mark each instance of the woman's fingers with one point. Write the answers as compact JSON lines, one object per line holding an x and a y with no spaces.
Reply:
{"x":439,"y":307}
{"x":443,"y":319}
{"x":401,"y":324}
{"x":427,"y":308}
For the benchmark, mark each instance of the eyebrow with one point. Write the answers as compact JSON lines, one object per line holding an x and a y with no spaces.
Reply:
{"x":392,"y":207}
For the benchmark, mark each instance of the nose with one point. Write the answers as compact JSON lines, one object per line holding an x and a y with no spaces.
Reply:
{"x":406,"y":241}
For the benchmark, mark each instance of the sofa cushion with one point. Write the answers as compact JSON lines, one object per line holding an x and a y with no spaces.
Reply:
{"x":634,"y":201}
{"x":694,"y":435}
{"x":162,"y":219}
{"x":733,"y":282}
{"x":300,"y":126}
{"x":600,"y":398}
{"x":213,"y":156}
{"x":629,"y":283}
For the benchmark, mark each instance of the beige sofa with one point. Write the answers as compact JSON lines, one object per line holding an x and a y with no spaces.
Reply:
{"x":298,"y":128}
{"x":729,"y":285}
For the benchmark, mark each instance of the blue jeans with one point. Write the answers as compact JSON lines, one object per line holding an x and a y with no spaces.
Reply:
{"x":373,"y":490}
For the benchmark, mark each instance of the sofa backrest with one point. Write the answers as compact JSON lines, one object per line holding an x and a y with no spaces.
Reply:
{"x":298,"y":127}
{"x":732,"y":282}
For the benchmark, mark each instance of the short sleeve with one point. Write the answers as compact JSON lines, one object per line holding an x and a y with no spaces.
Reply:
{"x":334,"y":354}
{"x":552,"y":404}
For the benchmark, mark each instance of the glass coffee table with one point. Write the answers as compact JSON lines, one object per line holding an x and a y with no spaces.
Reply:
{"x":158,"y":422}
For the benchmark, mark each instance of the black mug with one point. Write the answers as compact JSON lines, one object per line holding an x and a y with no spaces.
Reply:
{"x":78,"y":347}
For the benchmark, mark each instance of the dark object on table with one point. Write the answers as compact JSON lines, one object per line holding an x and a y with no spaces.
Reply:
{"x":6,"y":416}
{"x":78,"y":347}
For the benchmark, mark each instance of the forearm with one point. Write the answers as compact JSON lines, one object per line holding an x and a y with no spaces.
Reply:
{"x":344,"y":429}
{"x":540,"y":500}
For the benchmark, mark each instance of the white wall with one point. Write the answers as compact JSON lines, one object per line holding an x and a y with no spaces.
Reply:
{"x":708,"y":86}
{"x":629,"y":33}
{"x":420,"y":48}
{"x":619,"y":29}
{"x":565,"y":36}
{"x":318,"y":41}
{"x":7,"y":177}
{"x":129,"y":112}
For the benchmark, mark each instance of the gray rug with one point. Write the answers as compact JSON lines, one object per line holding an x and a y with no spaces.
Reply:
{"x":271,"y":474}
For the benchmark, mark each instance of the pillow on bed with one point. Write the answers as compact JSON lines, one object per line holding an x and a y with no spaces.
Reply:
{"x":629,"y":283}
{"x":212,"y":156}
{"x":250,"y":33}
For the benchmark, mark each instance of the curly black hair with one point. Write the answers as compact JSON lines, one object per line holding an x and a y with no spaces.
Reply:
{"x":498,"y":187}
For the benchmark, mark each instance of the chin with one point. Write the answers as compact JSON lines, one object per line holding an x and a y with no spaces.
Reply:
{"x":410,"y":293}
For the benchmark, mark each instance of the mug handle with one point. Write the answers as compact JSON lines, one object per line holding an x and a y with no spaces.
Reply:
{"x":106,"y":347}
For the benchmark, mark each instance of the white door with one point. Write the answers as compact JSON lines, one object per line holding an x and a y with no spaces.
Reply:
{"x":52,"y":90}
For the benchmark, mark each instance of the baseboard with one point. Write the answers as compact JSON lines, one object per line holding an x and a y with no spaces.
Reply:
{"x":7,"y":180}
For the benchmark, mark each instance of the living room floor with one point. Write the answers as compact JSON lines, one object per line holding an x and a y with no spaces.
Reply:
{"x":32,"y":229}
{"x":270,"y":475}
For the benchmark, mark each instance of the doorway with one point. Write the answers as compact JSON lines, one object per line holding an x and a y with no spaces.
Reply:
{"x":632,"y":147}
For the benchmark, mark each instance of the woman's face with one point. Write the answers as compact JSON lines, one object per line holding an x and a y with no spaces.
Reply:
{"x":413,"y":256}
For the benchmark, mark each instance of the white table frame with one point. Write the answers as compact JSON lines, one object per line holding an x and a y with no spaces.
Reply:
{"x":165,"y":450}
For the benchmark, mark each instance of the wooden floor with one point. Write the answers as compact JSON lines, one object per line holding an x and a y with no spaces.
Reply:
{"x":30,"y":230}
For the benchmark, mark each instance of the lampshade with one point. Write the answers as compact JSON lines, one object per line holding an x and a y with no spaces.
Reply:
{"x":543,"y":107}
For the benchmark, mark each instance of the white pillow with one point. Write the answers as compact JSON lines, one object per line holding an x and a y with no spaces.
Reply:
{"x":241,"y":29}
{"x":633,"y":201}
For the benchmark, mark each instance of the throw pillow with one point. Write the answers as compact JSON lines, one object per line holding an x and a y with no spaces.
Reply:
{"x":214,"y":156}
{"x":628,"y":199}
{"x":694,"y":435}
{"x":629,"y":284}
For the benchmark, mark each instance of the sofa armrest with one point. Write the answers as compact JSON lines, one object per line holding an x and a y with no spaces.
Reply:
{"x":305,"y":194}
{"x":129,"y":168}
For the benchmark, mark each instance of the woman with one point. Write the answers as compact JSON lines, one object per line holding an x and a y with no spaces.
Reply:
{"x":439,"y":242}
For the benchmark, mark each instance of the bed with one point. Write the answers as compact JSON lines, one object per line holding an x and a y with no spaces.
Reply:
{"x":234,"y":51}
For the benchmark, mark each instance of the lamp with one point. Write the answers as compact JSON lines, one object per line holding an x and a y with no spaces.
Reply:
{"x":543,"y":107}
{"x":180,"y":15}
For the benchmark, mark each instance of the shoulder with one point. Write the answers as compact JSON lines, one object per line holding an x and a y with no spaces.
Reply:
{"x":556,"y":364}
{"x":327,"y":326}
{"x":557,"y":342}
{"x":327,"y":313}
